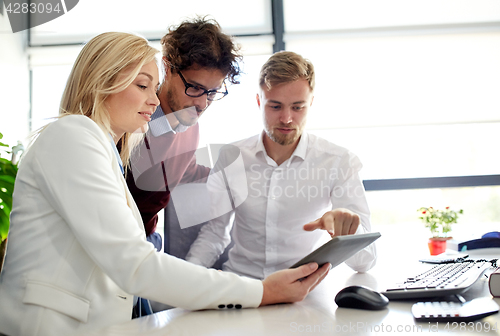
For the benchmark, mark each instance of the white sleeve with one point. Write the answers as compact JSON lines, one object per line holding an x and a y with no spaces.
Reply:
{"x":214,"y":236}
{"x":211,"y":242}
{"x":349,"y":193}
{"x":75,"y":172}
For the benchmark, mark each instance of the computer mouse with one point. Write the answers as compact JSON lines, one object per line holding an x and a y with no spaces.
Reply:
{"x":493,"y":234}
{"x":361,"y":297}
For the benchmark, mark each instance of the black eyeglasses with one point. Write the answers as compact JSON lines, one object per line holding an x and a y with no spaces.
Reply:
{"x":196,"y":91}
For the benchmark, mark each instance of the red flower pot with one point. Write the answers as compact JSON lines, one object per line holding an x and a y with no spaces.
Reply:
{"x":437,"y":245}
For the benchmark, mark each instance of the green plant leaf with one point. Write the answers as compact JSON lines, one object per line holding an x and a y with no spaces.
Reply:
{"x":4,"y":224}
{"x":439,"y":221}
{"x":6,"y":200}
{"x":7,"y":181}
{"x":7,"y":167}
{"x":8,"y":172}
{"x":1,"y":143}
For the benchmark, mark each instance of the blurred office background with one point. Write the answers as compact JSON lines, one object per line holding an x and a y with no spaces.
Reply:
{"x":411,"y":86}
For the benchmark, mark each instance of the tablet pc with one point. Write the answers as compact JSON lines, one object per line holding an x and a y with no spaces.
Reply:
{"x":338,"y":249}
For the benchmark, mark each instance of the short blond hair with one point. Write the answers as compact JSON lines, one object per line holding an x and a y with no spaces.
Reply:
{"x":95,"y":76}
{"x":285,"y":67}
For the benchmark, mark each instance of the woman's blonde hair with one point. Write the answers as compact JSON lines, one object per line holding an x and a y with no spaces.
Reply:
{"x":95,"y":76}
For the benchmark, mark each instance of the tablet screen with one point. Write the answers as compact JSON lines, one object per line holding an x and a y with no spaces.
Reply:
{"x":338,"y":249}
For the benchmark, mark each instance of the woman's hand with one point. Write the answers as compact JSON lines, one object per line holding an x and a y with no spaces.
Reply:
{"x":292,"y":285}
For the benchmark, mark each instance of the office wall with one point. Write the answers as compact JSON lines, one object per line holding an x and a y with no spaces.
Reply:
{"x":14,"y":83}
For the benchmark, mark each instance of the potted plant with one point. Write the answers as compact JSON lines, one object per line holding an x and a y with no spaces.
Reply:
{"x":439,"y":222}
{"x":8,"y":172}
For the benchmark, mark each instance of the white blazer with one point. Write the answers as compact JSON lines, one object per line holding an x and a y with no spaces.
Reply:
{"x":77,"y":252}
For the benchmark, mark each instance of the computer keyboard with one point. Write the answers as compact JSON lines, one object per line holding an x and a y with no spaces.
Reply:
{"x":440,"y":280}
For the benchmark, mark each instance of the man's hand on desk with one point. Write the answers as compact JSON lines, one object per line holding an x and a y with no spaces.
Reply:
{"x":285,"y":286}
{"x":338,"y":222}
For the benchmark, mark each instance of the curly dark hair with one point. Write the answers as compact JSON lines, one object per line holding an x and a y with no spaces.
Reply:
{"x":201,"y":42}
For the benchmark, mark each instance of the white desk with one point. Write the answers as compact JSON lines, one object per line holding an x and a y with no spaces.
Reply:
{"x":317,"y":314}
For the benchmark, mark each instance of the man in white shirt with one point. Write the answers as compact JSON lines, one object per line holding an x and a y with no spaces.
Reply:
{"x":296,"y":183}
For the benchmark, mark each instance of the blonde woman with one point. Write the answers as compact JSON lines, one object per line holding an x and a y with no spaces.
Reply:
{"x":77,"y":252}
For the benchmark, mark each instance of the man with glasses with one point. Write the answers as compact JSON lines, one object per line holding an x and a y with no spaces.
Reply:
{"x":198,"y":60}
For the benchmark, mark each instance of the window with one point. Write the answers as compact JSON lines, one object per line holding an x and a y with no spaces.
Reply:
{"x":325,"y":15}
{"x":396,"y":210}
{"x":151,"y":18}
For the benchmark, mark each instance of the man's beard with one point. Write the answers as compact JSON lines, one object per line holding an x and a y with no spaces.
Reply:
{"x":183,"y":117}
{"x":280,"y":138}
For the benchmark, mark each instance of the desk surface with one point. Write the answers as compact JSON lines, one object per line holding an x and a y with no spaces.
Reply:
{"x":317,"y":314}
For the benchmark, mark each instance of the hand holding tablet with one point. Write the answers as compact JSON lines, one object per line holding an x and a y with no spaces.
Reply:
{"x":338,"y":249}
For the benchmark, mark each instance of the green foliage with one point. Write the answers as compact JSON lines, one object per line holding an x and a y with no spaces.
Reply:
{"x":439,"y":221}
{"x":8,"y":172}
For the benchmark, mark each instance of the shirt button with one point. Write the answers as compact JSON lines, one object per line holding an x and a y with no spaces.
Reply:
{"x":238,"y":306}
{"x":221,"y":306}
{"x":230,"y":306}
